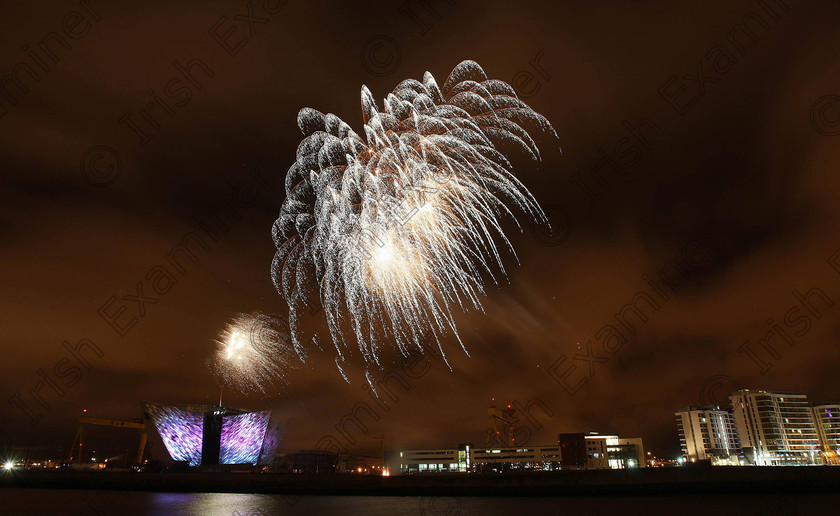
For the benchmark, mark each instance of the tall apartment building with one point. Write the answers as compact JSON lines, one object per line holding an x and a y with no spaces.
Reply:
{"x":775,"y":428}
{"x":707,"y":433}
{"x":827,"y":419}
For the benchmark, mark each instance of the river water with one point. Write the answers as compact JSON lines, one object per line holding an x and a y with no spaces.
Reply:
{"x":129,"y":503}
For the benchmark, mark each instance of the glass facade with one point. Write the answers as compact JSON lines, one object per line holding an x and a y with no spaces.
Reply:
{"x":776,"y":428}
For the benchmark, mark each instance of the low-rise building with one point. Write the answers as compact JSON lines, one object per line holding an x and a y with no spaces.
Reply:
{"x":531,"y":458}
{"x":432,"y":461}
{"x":467,"y":458}
{"x":596,"y":451}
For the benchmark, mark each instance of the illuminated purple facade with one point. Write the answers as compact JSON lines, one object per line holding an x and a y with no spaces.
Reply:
{"x":272,"y":439}
{"x":242,"y":437}
{"x":246,"y":437}
{"x":181,"y":431}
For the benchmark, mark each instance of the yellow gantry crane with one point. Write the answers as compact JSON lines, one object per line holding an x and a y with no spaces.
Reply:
{"x":500,"y":428}
{"x":136,"y":424}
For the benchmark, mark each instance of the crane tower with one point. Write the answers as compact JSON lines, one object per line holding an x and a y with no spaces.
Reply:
{"x":500,"y":428}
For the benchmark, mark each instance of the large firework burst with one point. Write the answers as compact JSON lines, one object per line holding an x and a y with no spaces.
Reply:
{"x":390,"y":229}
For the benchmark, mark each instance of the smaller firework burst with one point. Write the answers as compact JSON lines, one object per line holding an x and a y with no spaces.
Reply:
{"x":254,"y":353}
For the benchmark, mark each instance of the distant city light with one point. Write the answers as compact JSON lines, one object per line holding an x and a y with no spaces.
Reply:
{"x":9,"y":465}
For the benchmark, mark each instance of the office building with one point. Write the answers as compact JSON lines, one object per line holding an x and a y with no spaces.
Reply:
{"x":530,"y":458}
{"x":467,"y":458}
{"x":433,"y":461}
{"x":596,"y":451}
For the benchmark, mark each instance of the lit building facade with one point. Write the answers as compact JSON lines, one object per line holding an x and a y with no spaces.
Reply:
{"x":467,"y":458}
{"x":827,"y":420}
{"x":433,"y":461}
{"x":532,"y":458}
{"x":775,"y":428}
{"x":627,"y":453}
{"x":596,"y":451}
{"x":210,"y":435}
{"x":707,"y":433}
{"x":613,"y":452}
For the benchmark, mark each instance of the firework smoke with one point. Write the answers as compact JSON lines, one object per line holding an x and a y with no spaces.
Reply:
{"x":390,"y":229}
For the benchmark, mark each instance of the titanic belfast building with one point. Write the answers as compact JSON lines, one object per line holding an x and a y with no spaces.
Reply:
{"x":212,"y":435}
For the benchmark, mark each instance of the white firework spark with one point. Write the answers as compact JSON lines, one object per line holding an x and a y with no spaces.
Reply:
{"x":390,"y":230}
{"x":254,"y":353}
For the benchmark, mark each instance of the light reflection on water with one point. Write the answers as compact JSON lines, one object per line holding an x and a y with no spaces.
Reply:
{"x":129,"y":503}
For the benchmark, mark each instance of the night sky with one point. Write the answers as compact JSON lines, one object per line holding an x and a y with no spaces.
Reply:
{"x":687,"y":145}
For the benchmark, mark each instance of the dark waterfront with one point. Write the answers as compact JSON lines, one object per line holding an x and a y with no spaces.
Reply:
{"x":127,"y":503}
{"x":686,"y":491}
